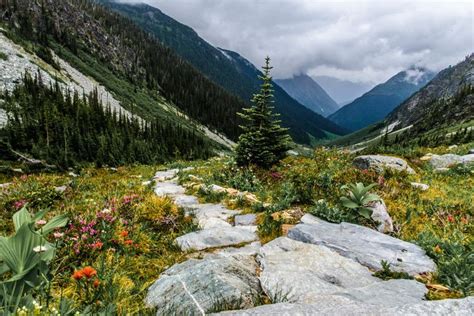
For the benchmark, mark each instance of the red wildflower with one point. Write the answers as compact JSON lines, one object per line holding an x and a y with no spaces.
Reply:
{"x":451,"y":218}
{"x":124,"y":233}
{"x":128,"y":242}
{"x":97,"y":245}
{"x":96,"y":283}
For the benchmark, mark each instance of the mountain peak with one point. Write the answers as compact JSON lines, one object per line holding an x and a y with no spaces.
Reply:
{"x":308,"y":92}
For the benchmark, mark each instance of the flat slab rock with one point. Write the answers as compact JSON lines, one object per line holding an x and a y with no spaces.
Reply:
{"x":297,"y":272}
{"x":364,"y":245}
{"x":217,"y":237}
{"x":245,"y":220}
{"x":197,"y":287}
{"x":329,"y":306}
{"x":212,"y":215}
{"x":169,"y":188}
{"x":379,"y":163}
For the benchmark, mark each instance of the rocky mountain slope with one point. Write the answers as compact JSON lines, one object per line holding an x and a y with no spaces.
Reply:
{"x":309,"y":93}
{"x":374,"y":105}
{"x":228,"y":69}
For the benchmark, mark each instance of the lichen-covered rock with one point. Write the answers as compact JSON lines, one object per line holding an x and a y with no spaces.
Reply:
{"x":337,"y":306}
{"x":196,"y":287}
{"x":216,"y":237}
{"x":379,"y":163}
{"x":364,"y":245}
{"x":298,"y":272}
{"x":449,"y":160}
{"x":380,"y":215}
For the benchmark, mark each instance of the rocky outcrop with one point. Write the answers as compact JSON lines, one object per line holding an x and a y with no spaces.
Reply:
{"x":449,"y":160}
{"x":379,"y":163}
{"x":247,"y":219}
{"x":364,"y":245}
{"x":197,"y":287}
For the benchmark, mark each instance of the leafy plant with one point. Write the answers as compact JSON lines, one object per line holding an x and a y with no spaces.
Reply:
{"x":25,"y":258}
{"x":358,"y":198}
{"x":323,"y":210}
{"x":386,"y":273}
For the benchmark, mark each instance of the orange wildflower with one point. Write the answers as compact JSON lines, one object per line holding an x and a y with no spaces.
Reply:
{"x":128,"y":242}
{"x":124,"y":233}
{"x":96,"y":283}
{"x":89,"y":272}
{"x":77,"y":275}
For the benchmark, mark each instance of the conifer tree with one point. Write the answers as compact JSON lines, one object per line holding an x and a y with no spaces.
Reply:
{"x":263,"y":141}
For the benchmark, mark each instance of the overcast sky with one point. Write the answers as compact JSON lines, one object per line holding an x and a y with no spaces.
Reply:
{"x":361,"y":41}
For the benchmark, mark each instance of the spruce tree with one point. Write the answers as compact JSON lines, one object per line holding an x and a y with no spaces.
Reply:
{"x":263,"y":141}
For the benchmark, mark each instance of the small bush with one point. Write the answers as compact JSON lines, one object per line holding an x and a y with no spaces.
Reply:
{"x":387,"y":274}
{"x":324,"y":211}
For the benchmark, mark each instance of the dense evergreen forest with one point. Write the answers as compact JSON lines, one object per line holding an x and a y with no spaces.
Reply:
{"x":85,"y":28}
{"x":65,"y":129}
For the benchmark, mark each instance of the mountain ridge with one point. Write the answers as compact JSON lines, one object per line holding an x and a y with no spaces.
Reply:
{"x":375,"y":104}
{"x":308,"y":92}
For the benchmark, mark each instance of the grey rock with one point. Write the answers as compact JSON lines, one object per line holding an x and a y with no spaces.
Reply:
{"x":216,"y":188}
{"x":380,"y":215}
{"x":441,"y":170}
{"x":216,"y":237}
{"x":146,"y":183}
{"x":244,"y":220}
{"x":471,"y":151}
{"x":187,"y":202}
{"x":364,"y":245}
{"x":330,"y":306}
{"x":301,"y":273}
{"x":165,"y":174}
{"x":448,"y":160}
{"x":169,"y":188}
{"x":213,"y":215}
{"x":420,"y":186}
{"x":196,"y":287}
{"x":379,"y":163}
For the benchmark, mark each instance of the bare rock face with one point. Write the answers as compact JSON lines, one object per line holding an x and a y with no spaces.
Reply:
{"x":364,"y":245}
{"x":420,"y":186}
{"x":379,"y":163}
{"x":197,"y":287}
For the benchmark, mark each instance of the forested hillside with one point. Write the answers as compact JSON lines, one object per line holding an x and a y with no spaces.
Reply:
{"x":123,"y":58}
{"x":226,"y":68}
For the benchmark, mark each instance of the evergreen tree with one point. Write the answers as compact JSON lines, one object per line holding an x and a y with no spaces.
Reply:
{"x":263,"y":141}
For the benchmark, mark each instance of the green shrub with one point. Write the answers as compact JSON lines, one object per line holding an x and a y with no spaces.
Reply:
{"x":324,"y":211}
{"x":358,"y":197}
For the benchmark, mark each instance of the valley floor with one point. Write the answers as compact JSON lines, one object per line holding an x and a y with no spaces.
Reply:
{"x":126,"y":227}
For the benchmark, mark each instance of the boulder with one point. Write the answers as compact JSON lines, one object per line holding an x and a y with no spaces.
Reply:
{"x":216,"y":188}
{"x":303,"y":273}
{"x":420,"y":186}
{"x":381,"y":217}
{"x":216,"y":237}
{"x":166,"y":175}
{"x":379,"y":163}
{"x":448,"y":160}
{"x":196,"y":287}
{"x":471,"y":151}
{"x":330,"y":306}
{"x":245,"y":220}
{"x":186,"y":202}
{"x":364,"y":245}
{"x":60,"y":189}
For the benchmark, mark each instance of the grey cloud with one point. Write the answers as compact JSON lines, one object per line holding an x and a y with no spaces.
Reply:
{"x":361,"y":41}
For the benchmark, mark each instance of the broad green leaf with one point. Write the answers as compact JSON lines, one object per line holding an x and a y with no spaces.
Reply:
{"x":365,"y":212}
{"x":21,"y":217}
{"x":348,"y":203}
{"x":56,"y":222}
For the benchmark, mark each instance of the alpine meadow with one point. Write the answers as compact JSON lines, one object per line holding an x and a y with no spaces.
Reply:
{"x":190,"y":158}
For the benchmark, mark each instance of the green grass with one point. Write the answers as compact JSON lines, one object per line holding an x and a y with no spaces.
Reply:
{"x":3,"y":56}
